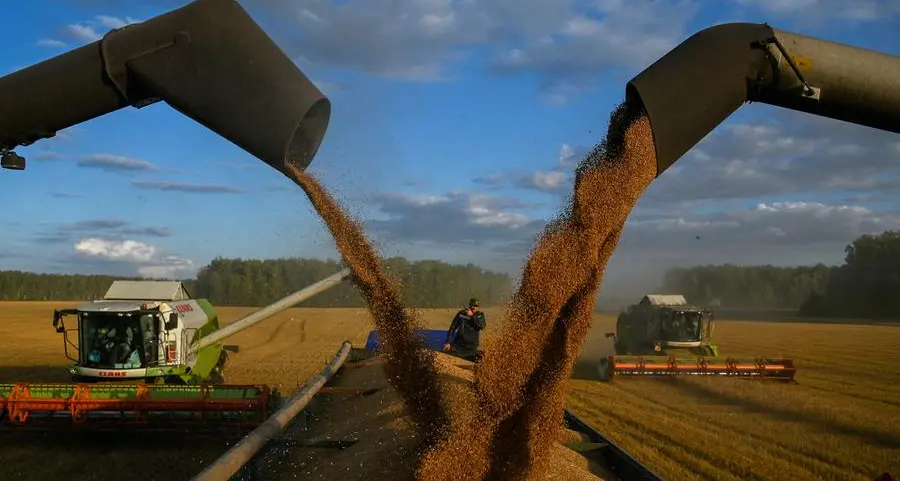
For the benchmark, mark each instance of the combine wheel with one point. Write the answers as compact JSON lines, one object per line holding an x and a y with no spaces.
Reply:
{"x":603,"y":369}
{"x":217,"y":376}
{"x":176,"y":380}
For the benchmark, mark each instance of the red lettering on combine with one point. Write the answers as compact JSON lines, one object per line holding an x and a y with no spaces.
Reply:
{"x":113,"y":374}
{"x":184,"y":307}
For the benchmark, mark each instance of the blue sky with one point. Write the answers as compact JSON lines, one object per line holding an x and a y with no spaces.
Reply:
{"x":455,"y":129}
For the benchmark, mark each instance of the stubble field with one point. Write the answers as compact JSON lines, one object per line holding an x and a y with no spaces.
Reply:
{"x":841,"y":422}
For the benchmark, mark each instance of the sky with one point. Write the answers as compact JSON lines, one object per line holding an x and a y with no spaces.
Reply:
{"x":455,"y":130}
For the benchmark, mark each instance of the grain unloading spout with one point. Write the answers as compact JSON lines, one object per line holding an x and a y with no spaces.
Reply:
{"x":260,"y":315}
{"x":209,"y":60}
{"x":697,"y":85}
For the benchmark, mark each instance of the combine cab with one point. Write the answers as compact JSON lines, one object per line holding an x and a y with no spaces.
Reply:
{"x":664,"y":335}
{"x":142,"y":331}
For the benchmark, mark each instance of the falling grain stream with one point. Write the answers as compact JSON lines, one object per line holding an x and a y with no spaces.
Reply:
{"x":513,"y":416}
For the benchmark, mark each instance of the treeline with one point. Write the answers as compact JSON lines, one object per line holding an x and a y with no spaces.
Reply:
{"x":867,"y":285}
{"x":748,"y":287}
{"x":426,"y":283}
{"x":252,"y":282}
{"x":28,"y":286}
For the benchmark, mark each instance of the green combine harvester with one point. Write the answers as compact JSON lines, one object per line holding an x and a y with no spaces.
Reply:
{"x":664,"y":335}
{"x":147,"y":354}
{"x":142,"y":331}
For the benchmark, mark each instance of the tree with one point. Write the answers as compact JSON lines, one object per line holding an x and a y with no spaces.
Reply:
{"x":865,"y":286}
{"x":256,"y":282}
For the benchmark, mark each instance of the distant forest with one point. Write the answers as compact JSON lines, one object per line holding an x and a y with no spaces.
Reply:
{"x":867,"y":285}
{"x":243,"y":282}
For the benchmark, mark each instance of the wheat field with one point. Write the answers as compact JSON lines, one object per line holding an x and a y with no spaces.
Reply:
{"x":840,"y":422}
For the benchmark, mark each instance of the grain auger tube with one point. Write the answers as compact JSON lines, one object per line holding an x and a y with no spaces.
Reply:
{"x":227,"y":75}
{"x":694,"y":87}
{"x":158,"y":353}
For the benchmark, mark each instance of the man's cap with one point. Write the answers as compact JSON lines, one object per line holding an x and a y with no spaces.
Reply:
{"x":473,"y":302}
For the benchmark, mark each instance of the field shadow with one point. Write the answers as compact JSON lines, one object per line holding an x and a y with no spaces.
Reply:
{"x":839,"y":392}
{"x":857,"y":373}
{"x":13,"y":374}
{"x":794,"y":318}
{"x":585,"y":369}
{"x":74,"y":455}
{"x":104,"y":442}
{"x":705,"y":395}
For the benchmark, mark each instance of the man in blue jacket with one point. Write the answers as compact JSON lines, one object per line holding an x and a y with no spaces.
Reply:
{"x":463,"y":335}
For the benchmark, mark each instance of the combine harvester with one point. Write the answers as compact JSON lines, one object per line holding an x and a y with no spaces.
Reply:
{"x":148,"y":355}
{"x":664,"y":335}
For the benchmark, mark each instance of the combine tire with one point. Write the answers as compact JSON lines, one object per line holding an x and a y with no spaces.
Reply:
{"x":603,"y":370}
{"x":216,"y":378}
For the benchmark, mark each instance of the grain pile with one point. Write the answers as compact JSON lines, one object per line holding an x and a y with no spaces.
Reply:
{"x":385,"y":447}
{"x":505,"y":424}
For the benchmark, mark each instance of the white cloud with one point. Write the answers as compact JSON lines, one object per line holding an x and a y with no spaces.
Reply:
{"x":499,"y":232}
{"x":127,"y":251}
{"x":168,"y":267}
{"x":49,"y":42}
{"x":548,"y":181}
{"x":780,"y":6}
{"x":185,"y":187}
{"x":145,"y":259}
{"x":46,"y":155}
{"x":423,"y":40}
{"x":94,"y":29}
{"x":483,"y":210}
{"x":568,"y":44}
{"x":114,"y":22}
{"x":451,"y":219}
{"x":788,"y":154}
{"x":569,"y":156}
{"x":857,"y":10}
{"x":566,"y":155}
{"x":752,"y":230}
{"x":115,"y":163}
{"x":632,"y":36}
